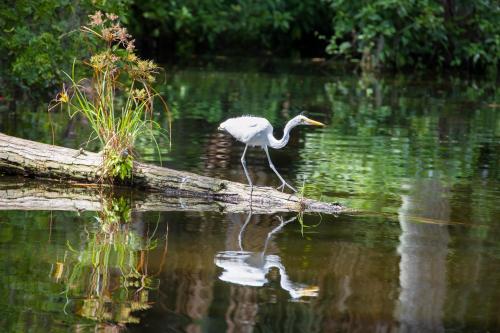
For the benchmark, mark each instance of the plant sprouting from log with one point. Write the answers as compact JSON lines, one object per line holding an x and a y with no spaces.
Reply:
{"x":119,"y":98}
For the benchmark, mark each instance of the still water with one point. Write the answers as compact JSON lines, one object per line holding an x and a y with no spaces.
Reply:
{"x":417,"y":157}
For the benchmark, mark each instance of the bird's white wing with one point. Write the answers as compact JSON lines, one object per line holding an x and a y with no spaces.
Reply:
{"x":246,"y":128}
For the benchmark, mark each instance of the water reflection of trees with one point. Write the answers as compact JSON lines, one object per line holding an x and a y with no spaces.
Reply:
{"x":395,"y":125}
{"x":390,"y":129}
{"x":386,"y":128}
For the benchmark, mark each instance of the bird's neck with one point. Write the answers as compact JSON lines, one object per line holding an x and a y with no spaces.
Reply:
{"x":277,"y":144}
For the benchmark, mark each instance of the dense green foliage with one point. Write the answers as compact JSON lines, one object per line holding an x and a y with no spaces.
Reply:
{"x":37,"y":38}
{"x":378,"y":33}
{"x":408,"y":32}
{"x":38,"y":41}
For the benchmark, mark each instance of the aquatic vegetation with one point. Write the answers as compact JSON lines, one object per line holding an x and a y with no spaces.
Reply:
{"x":118,"y":100}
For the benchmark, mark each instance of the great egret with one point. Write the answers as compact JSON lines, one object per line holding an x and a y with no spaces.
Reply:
{"x":257,"y":131}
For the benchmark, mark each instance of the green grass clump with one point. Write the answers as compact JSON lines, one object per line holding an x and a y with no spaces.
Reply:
{"x":117,"y":98}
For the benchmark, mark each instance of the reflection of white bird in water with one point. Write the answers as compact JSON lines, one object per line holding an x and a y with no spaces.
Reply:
{"x":250,"y":268}
{"x":256,"y":131}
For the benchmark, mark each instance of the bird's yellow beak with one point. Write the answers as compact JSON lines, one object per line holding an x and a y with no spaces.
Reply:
{"x":314,"y":122}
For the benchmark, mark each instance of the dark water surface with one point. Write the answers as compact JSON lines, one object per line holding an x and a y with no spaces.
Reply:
{"x":417,"y":155}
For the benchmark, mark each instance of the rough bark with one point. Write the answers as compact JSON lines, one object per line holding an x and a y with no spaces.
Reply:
{"x":164,"y":186}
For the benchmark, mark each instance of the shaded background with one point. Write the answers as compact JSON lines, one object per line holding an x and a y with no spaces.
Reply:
{"x":39,"y":39}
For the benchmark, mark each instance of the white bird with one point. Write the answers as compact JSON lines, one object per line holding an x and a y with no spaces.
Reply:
{"x":257,"y":131}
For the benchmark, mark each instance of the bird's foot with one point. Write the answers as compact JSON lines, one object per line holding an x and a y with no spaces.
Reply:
{"x":282,"y":187}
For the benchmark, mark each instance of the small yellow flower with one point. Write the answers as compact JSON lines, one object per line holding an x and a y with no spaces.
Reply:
{"x":131,"y":57}
{"x":63,"y":96}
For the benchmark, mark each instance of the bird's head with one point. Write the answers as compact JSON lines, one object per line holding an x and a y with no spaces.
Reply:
{"x":303,"y":120}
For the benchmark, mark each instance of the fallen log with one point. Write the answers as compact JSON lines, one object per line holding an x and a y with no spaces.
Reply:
{"x":20,"y":194}
{"x":34,"y":159}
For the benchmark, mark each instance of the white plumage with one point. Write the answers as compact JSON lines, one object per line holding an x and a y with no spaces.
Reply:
{"x":248,"y":129}
{"x":257,"y":131}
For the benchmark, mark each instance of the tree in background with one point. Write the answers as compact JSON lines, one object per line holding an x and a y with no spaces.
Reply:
{"x":234,"y":27}
{"x":408,"y":33}
{"x":36,"y":36}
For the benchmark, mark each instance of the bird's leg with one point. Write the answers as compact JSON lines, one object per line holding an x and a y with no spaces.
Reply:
{"x":283,"y":182}
{"x":244,"y":164}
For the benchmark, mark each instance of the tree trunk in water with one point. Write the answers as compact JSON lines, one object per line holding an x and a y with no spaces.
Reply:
{"x":34,"y":159}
